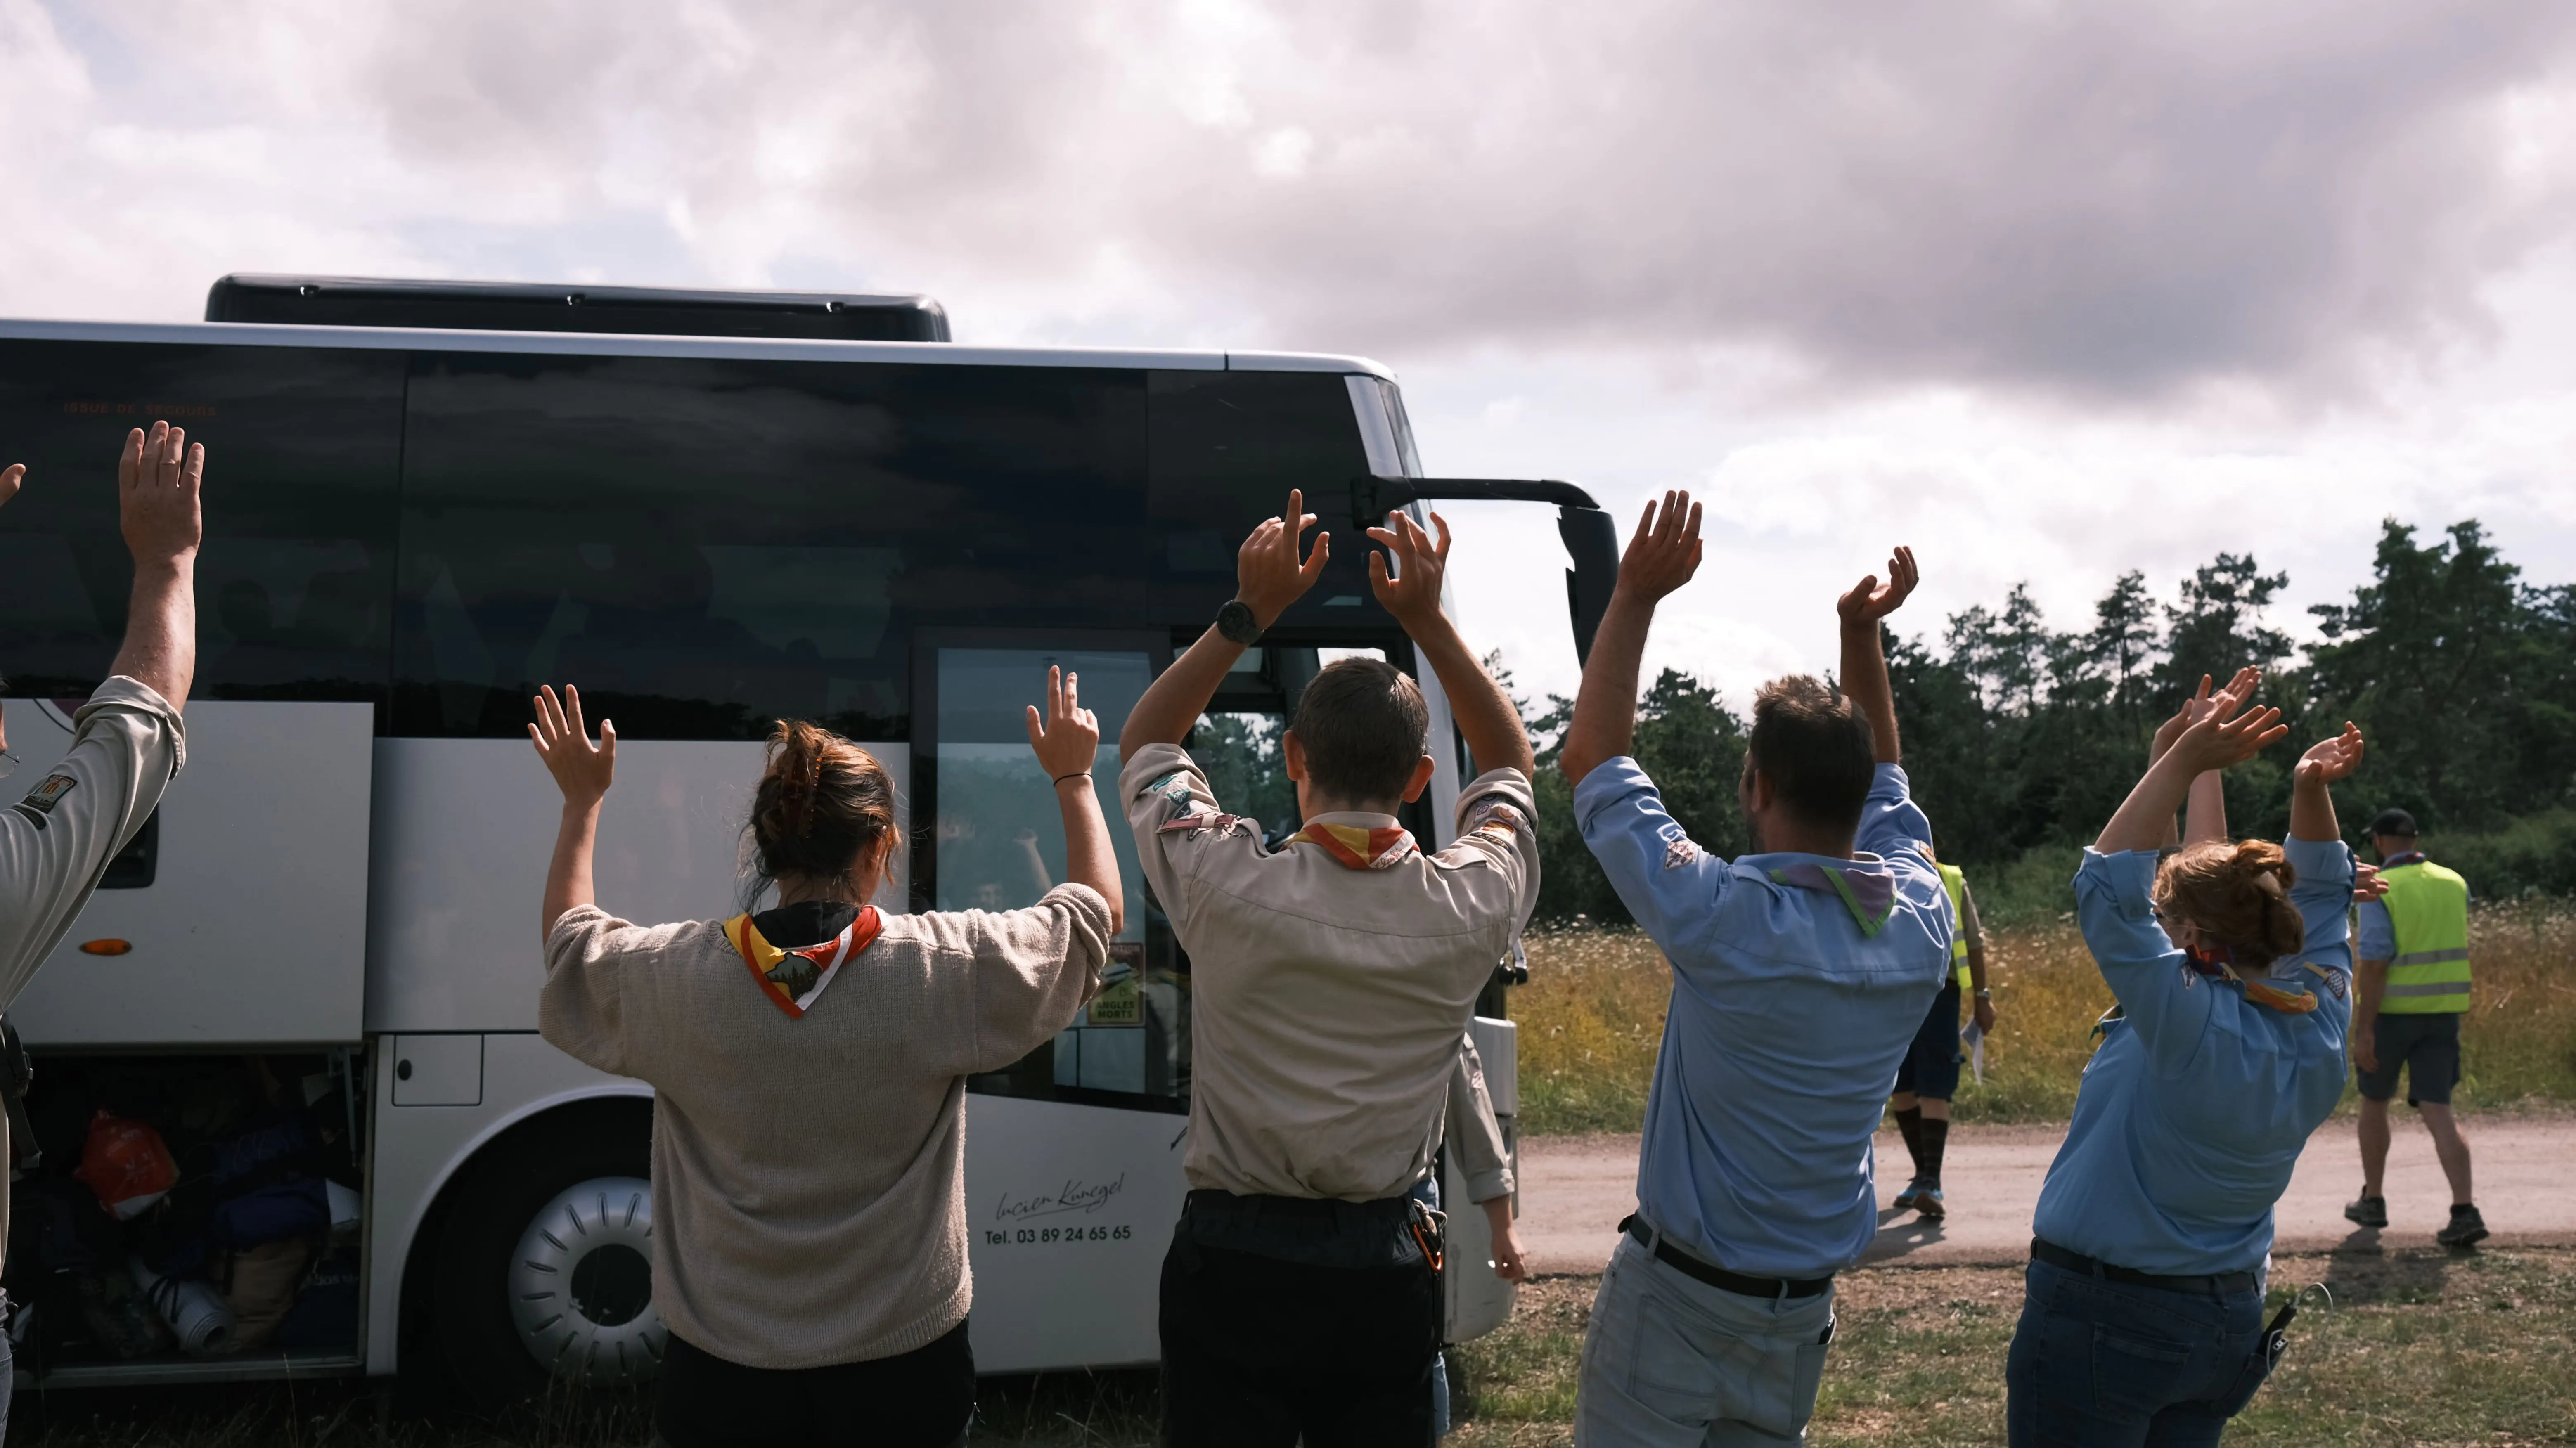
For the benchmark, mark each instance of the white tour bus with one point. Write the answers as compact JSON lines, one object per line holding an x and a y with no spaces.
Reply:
{"x":314,"y":973}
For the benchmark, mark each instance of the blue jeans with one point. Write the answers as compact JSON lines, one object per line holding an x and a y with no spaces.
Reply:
{"x":2102,"y":1364}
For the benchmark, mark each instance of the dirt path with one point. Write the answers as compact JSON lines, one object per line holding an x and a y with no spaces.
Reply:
{"x":1575,"y":1189}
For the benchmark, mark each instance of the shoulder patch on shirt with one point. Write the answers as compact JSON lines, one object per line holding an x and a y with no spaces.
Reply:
{"x":1204,"y":819}
{"x":48,"y":793}
{"x":2337,"y":982}
{"x":1496,"y":816}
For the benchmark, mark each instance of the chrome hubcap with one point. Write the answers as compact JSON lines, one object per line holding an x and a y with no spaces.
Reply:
{"x":581,"y":1284}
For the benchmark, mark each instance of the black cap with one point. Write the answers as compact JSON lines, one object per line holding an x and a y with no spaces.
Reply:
{"x":2394,"y":823}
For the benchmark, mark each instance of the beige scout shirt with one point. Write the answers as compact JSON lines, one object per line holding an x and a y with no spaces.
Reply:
{"x":1475,"y":1136}
{"x":1327,"y":1002}
{"x":127,"y":742}
{"x":809,"y":1174}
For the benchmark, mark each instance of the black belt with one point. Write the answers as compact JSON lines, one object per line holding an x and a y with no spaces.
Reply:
{"x":2217,"y":1285}
{"x":1718,"y":1277}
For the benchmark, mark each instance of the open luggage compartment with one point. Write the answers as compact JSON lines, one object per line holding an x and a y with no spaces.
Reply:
{"x":188,"y":1218}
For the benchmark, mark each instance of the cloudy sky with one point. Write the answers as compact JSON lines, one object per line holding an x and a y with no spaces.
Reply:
{"x":2048,"y":290}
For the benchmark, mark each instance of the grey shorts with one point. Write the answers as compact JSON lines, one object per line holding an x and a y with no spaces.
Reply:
{"x":1672,"y":1362}
{"x":2427,"y":1046}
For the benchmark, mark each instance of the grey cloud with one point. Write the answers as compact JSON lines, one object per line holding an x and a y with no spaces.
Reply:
{"x":2101,"y":200}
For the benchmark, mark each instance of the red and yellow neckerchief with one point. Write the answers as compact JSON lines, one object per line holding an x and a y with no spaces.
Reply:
{"x":1357,"y":849}
{"x":2215,"y":963}
{"x":792,"y":978}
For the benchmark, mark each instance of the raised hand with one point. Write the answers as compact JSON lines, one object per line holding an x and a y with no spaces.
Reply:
{"x":581,"y":769}
{"x":1869,"y":601}
{"x":1268,"y":574}
{"x":1665,"y":551}
{"x":1067,"y":738}
{"x":2332,"y":759}
{"x":2183,"y":718}
{"x":10,"y":477}
{"x":1412,"y":594}
{"x":157,"y":480}
{"x":2367,"y":884}
{"x":2217,"y":741}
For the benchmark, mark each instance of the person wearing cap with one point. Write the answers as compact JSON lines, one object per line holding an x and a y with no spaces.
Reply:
{"x":127,"y":739}
{"x":2409,"y":994}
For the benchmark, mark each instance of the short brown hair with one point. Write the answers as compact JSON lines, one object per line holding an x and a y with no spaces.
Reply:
{"x":1361,"y":724}
{"x":1814,"y":745}
{"x":2239,"y":896}
{"x":821,"y":803}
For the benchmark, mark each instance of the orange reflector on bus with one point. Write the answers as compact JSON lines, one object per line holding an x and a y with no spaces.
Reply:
{"x":105,"y":947}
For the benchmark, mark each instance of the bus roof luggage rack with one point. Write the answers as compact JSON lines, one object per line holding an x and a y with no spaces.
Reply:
{"x":1591,"y":540}
{"x":540,"y":307}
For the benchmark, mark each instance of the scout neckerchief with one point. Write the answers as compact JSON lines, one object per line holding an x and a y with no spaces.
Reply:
{"x":1355,"y":848}
{"x":2402,"y":858}
{"x":792,"y":978}
{"x":1867,"y":890}
{"x":2217,"y":965}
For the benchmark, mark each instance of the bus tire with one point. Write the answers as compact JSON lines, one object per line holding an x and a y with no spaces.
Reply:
{"x":535,"y":1205}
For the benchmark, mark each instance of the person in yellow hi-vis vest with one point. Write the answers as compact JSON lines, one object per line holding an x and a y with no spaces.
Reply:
{"x":1929,"y":1075}
{"x":2409,"y":993}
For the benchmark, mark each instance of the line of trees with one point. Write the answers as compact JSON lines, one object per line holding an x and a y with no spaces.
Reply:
{"x":2021,"y":736}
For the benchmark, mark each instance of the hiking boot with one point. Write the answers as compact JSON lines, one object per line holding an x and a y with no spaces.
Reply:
{"x":1927,"y":1200}
{"x":2467,"y":1227}
{"x":2367,"y":1212}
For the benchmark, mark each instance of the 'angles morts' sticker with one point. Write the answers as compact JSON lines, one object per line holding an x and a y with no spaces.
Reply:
{"x":41,"y":800}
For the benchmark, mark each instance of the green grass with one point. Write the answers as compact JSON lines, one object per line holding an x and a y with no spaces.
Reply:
{"x":1592,"y":1018}
{"x":2417,"y":1347}
{"x":2400,"y":1347}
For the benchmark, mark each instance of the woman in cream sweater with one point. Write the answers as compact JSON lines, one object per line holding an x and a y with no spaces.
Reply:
{"x":809,"y":1065}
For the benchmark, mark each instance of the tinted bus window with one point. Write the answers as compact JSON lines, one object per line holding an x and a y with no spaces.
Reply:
{"x":1227,"y":447}
{"x":294,"y":582}
{"x":705,"y":546}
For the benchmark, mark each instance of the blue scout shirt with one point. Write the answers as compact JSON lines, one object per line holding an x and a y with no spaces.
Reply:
{"x":1787,"y":1021}
{"x":2197,"y":1104}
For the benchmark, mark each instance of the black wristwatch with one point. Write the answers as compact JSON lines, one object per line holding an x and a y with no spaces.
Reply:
{"x":1236,"y":622}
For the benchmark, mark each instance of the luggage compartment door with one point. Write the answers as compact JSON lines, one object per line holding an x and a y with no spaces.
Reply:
{"x":242,"y":907}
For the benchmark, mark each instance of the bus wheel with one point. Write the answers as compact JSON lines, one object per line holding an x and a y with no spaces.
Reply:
{"x":544,"y":1271}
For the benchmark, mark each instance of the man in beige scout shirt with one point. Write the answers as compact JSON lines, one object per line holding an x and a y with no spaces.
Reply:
{"x":1332,"y":982}
{"x":127,"y":740}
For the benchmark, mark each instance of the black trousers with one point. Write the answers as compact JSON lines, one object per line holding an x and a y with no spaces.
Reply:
{"x":922,"y":1399}
{"x":1258,"y":1352}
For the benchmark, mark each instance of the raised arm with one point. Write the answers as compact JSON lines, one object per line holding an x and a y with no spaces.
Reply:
{"x":1411,"y":592}
{"x":1269,"y":576}
{"x":583,"y":773}
{"x":1864,"y":670}
{"x":2312,"y":811}
{"x":1661,"y":558}
{"x":2145,"y":818}
{"x":1067,"y":742}
{"x":157,"y":480}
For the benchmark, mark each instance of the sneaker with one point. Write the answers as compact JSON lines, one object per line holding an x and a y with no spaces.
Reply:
{"x":1927,"y":1202}
{"x":2467,"y":1228}
{"x":1907,"y":1199}
{"x":2367,"y":1212}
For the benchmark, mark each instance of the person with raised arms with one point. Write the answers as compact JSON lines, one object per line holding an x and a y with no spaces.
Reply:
{"x":809,"y":1065}
{"x":127,"y":739}
{"x":1333,"y":980}
{"x":1801,"y":973}
{"x":2232,"y":968}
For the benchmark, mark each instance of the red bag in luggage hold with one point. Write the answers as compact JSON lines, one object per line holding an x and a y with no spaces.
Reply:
{"x":126,"y":1164}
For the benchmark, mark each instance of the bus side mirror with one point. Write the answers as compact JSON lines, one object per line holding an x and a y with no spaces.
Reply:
{"x":1593,"y":543}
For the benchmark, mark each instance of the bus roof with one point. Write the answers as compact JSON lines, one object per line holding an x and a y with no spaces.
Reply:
{"x":606,"y":344}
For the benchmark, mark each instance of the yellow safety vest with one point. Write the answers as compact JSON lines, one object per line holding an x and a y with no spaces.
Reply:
{"x":2430,"y":908}
{"x":1955,"y":885}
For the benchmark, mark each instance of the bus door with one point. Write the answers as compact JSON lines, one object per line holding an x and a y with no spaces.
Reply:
{"x":1073,"y":1153}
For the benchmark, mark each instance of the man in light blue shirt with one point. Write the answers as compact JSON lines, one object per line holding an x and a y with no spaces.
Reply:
{"x":1800,"y":976}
